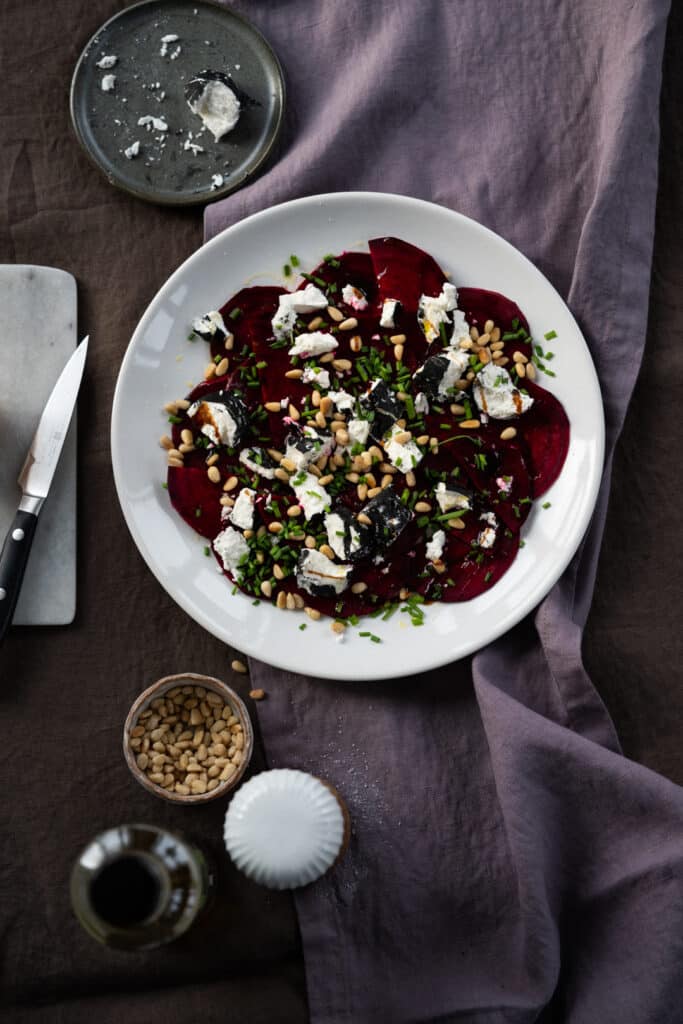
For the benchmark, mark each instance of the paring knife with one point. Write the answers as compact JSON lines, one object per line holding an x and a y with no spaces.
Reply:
{"x":35,"y":479}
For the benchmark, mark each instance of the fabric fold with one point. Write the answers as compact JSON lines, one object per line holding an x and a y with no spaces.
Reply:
{"x":507,"y":864}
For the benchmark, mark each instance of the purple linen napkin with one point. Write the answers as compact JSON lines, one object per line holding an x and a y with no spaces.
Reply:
{"x":507,"y":863}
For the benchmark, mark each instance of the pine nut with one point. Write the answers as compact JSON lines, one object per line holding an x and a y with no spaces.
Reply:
{"x":281,"y":474}
{"x":315,"y":399}
{"x":257,"y":694}
{"x":423,"y":506}
{"x":362,"y":518}
{"x":362,"y":491}
{"x":342,"y":364}
{"x":374,"y":491}
{"x":519,"y":357}
{"x":338,"y":627}
{"x":410,"y":478}
{"x":171,"y":408}
{"x":496,"y":355}
{"x":210,"y":371}
{"x":182,"y":404}
{"x":166,"y":442}
{"x":272,"y":406}
{"x":312,"y":613}
{"x":315,"y":323}
{"x":504,"y":361}
{"x":495,"y":334}
{"x":469,"y":424}
{"x":465,"y":344}
{"x":184,"y":448}
{"x":212,"y":460}
{"x":398,"y":353}
{"x":456,"y":524}
{"x":520,"y":369}
{"x":484,"y":339}
{"x":281,"y":601}
{"x":229,"y":342}
{"x":320,"y":419}
{"x":474,"y":333}
{"x":329,"y":357}
{"x":176,"y":463}
{"x":222,"y":367}
{"x":299,"y":602}
{"x":277,"y":572}
{"x":496,"y":346}
{"x":275,"y":455}
{"x":294,"y":511}
{"x":186,"y":436}
{"x":484,"y":356}
{"x":508,"y":434}
{"x":326,"y":550}
{"x":457,"y":409}
{"x":239,"y":666}
{"x":175,"y":453}
{"x":309,"y":542}
{"x":230,"y":484}
{"x":275,"y":527}
{"x":530,"y":371}
{"x":294,"y":374}
{"x":294,"y":412}
{"x":348,"y":325}
{"x":214,"y":474}
{"x":288,"y":464}
{"x":267,"y":588}
{"x":335,"y":314}
{"x":402,"y":437}
{"x":291,"y":604}
{"x":327,"y":479}
{"x":488,"y":326}
{"x":356,"y":343}
{"x":359,"y":588}
{"x":386,"y":481}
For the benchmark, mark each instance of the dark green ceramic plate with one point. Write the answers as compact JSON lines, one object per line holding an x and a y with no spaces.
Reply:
{"x":150,"y":80}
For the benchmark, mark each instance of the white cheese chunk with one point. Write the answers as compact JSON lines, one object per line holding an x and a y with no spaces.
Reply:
{"x":216,"y":422}
{"x":218,"y":107}
{"x":358,"y":431}
{"x":107,"y":62}
{"x":209,"y":323}
{"x":487,"y":536}
{"x":458,"y":363}
{"x":231,"y":548}
{"x":248,"y":459}
{"x":156,"y":123}
{"x":433,"y":310}
{"x":334,"y":524}
{"x":496,"y":395}
{"x":108,"y":82}
{"x":343,"y":401}
{"x":216,"y":181}
{"x":306,"y":300}
{"x":314,"y":344}
{"x":242,"y":512}
{"x":402,"y":456}
{"x":421,"y":403}
{"x":132,"y":151}
{"x":313,"y":498}
{"x":354,"y":297}
{"x":435,"y":547}
{"x":448,"y":500}
{"x":461,"y":329}
{"x":316,"y":375}
{"x":316,"y":571}
{"x":320,"y":446}
{"x":390,"y":308}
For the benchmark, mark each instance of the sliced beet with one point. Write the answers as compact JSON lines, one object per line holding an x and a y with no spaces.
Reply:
{"x":545,"y":430}
{"x":196,"y":499}
{"x":404,"y":272}
{"x":480,"y":305}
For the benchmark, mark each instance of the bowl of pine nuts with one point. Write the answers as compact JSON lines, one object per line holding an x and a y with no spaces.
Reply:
{"x":188,"y":738}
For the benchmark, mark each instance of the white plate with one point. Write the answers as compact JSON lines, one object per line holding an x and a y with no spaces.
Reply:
{"x":161,"y":364}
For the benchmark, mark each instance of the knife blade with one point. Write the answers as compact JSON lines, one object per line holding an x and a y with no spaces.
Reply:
{"x":35,"y":479}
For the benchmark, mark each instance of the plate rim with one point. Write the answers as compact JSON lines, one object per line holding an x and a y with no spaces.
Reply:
{"x":465,"y":648}
{"x":195,"y":199}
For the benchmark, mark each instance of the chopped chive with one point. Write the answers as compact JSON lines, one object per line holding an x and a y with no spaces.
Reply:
{"x":256,"y":603}
{"x":452,"y":515}
{"x":546,"y":504}
{"x":550,"y":335}
{"x":217,"y":359}
{"x":294,"y":260}
{"x":174,"y":419}
{"x":445,"y":426}
{"x":207,"y":550}
{"x":165,"y":485}
{"x":487,"y":577}
{"x":262,"y":365}
{"x":316,"y":280}
{"x":302,"y":627}
{"x":375,"y":639}
{"x":365,"y":633}
{"x":197,"y":513}
{"x":234,"y":591}
{"x":287,"y":270}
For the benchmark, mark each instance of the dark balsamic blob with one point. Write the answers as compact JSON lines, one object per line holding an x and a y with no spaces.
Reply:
{"x":389,"y":517}
{"x":387,"y":408}
{"x":196,"y":86}
{"x":234,"y":403}
{"x":357,"y":545}
{"x":430,"y":375}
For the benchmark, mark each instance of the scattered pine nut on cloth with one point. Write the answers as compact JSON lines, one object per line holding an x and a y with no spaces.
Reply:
{"x":519,"y":817}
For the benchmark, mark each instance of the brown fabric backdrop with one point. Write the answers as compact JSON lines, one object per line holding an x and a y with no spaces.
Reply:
{"x":64,"y":692}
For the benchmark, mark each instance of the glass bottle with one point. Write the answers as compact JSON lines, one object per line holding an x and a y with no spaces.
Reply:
{"x":137,"y":886}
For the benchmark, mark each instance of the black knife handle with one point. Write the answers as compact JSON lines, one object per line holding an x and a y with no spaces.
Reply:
{"x":13,"y":559}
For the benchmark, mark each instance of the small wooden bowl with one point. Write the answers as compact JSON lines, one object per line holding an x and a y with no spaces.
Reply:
{"x":158,"y":689}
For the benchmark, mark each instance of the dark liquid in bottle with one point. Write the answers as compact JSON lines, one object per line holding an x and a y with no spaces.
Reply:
{"x":125,"y":892}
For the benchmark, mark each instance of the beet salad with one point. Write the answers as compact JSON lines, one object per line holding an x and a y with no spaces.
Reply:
{"x":374,"y":435}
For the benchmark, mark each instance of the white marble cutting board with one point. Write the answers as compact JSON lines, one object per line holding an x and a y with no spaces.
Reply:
{"x":37,"y":336}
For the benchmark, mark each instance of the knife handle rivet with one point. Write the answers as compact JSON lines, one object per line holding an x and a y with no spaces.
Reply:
{"x":3,"y":593}
{"x":17,"y":534}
